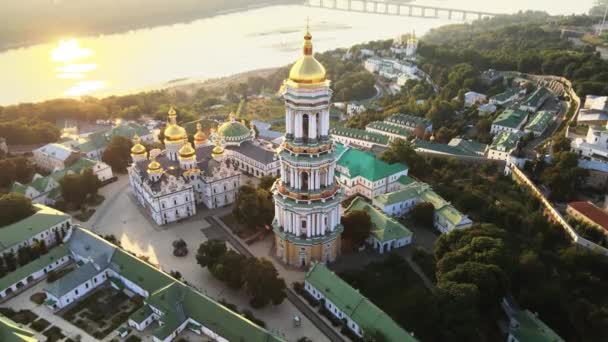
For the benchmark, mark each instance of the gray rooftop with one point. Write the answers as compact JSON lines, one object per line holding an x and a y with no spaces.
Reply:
{"x":255,"y":152}
{"x":72,"y":280}
{"x":95,"y":247}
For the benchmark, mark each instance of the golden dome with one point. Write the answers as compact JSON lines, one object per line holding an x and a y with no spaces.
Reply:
{"x":138,"y":148}
{"x":174,"y":132}
{"x":218,"y":150}
{"x":154,"y":167}
{"x":307,"y":69}
{"x":200,"y":135}
{"x":186,"y":151}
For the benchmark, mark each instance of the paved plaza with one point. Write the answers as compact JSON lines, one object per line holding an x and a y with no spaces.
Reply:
{"x":121,"y":216}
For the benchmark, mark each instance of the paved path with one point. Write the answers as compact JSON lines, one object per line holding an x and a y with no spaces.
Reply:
{"x":291,"y":295}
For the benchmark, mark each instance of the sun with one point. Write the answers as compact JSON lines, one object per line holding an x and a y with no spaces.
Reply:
{"x":68,"y":50}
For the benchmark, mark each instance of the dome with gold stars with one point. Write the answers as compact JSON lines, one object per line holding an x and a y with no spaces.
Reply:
{"x":307,"y":70}
{"x":137,"y":149}
{"x":173,"y":131}
{"x":234,"y":131}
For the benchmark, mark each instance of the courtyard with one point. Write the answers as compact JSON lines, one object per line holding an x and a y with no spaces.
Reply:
{"x":120,"y":215}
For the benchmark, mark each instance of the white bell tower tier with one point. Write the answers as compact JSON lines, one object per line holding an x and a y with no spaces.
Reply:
{"x":307,"y":197}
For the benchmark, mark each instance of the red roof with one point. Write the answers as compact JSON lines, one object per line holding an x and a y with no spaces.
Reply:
{"x":592,"y":212}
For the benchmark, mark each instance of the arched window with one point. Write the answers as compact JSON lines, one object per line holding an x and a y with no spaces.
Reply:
{"x":304,"y":179}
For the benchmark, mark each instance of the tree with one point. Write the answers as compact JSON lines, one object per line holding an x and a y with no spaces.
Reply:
{"x":229,"y":269}
{"x":357,"y":226}
{"x":118,"y":153}
{"x":267,"y":182}
{"x":561,"y":144}
{"x":210,"y":252}
{"x":263,"y":284}
{"x":90,"y":182}
{"x":14,"y":207}
{"x":423,"y":213}
{"x":72,"y":189}
{"x":402,"y":151}
{"x":254,"y":207}
{"x":10,"y":261}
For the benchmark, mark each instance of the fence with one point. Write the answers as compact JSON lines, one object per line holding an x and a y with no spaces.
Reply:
{"x":554,"y":214}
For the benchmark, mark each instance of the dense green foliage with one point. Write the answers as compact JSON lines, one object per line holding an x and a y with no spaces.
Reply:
{"x":258,"y":277}
{"x":14,"y":207}
{"x":253,"y":206}
{"x":15,"y":169}
{"x":423,"y":214}
{"x":76,"y":188}
{"x":357,"y":226}
{"x":118,"y":153}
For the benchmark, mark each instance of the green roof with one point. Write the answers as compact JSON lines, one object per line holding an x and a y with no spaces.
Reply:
{"x":384,"y":227}
{"x":468,"y":145}
{"x":360,"y":309}
{"x":13,"y":332}
{"x":443,"y":148}
{"x":43,"y":219}
{"x":408,"y":120}
{"x":366,"y":165}
{"x":41,"y":183}
{"x":101,"y":139}
{"x":406,"y":180}
{"x":451,"y":214}
{"x":78,"y":167}
{"x":505,"y":141}
{"x":233,"y":130}
{"x":409,"y":192}
{"x":389,"y":128}
{"x":510,"y":118}
{"x":138,"y":271}
{"x":141,"y":314}
{"x":70,"y":281}
{"x":360,"y":134}
{"x":532,"y":329}
{"x":537,"y":97}
{"x":504,"y":96}
{"x":24,"y":271}
{"x":19,"y":188}
{"x":179,"y":302}
{"x":540,"y":122}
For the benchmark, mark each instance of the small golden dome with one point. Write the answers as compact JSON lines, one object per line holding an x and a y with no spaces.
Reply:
{"x":218,"y":150}
{"x":173,"y":131}
{"x":307,"y":69}
{"x":186,"y":151}
{"x":200,"y":136}
{"x":138,"y":148}
{"x":154,"y":167}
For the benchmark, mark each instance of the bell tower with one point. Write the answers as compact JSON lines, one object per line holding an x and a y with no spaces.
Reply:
{"x":307,"y":198}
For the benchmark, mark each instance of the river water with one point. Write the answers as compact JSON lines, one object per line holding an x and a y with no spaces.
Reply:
{"x":208,"y":48}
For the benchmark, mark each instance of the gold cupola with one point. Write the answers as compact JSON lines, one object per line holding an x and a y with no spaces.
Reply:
{"x":307,"y":70}
{"x":200,"y":137}
{"x":154,"y":168}
{"x":138,"y":149}
{"x":186,"y":151}
{"x":218,"y":150}
{"x":174,"y":132}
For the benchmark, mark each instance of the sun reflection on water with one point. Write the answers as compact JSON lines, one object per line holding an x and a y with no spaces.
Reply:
{"x":73,"y":65}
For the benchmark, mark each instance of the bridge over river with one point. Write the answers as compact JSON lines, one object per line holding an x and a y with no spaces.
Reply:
{"x":402,"y":8}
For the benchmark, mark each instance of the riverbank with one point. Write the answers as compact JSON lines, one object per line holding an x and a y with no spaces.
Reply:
{"x":19,"y":32}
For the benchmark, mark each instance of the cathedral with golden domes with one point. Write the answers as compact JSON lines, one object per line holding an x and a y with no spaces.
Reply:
{"x":170,"y":184}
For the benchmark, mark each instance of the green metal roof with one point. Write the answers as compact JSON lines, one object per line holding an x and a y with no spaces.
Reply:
{"x":72,"y":280}
{"x":443,"y":148}
{"x":468,"y":145}
{"x":360,"y":134}
{"x":409,"y":192}
{"x":532,"y":329}
{"x":406,"y":180}
{"x":141,"y":314}
{"x":510,"y":118}
{"x":540,"y":122}
{"x":138,"y":271}
{"x":408,"y":120}
{"x":537,"y":97}
{"x":366,"y":165}
{"x":101,"y":139}
{"x":389,"y":128}
{"x":13,"y":332}
{"x":360,"y":309}
{"x":384,"y":227}
{"x":504,"y":96}
{"x":24,"y":271}
{"x":232,"y":130}
{"x":43,"y":219}
{"x":180,"y":302}
{"x":505,"y":141}
{"x":19,"y":188}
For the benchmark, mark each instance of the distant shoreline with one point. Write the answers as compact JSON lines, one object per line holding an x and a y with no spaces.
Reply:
{"x":188,"y":18}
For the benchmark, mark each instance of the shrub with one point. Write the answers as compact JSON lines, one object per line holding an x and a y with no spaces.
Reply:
{"x":53,"y":334}
{"x":24,"y":317}
{"x":40,"y":324}
{"x":8,"y":312}
{"x":38,"y":298}
{"x":133,"y":338}
{"x":249,"y":315}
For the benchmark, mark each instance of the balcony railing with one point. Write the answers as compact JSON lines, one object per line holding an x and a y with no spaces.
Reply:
{"x":307,"y":149}
{"x":307,"y":195}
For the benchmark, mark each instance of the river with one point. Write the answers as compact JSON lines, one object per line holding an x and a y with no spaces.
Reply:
{"x":208,"y":48}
